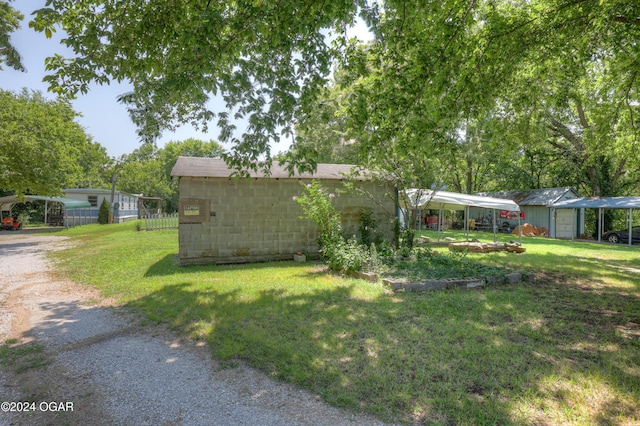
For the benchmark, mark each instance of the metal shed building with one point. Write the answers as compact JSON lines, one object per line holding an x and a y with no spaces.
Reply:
{"x":536,"y":205}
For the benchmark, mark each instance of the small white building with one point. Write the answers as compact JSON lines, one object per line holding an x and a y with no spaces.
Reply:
{"x":125,"y":206}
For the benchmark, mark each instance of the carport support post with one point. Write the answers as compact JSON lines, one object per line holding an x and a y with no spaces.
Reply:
{"x":466,"y":223}
{"x":600,"y":215}
{"x":439,"y":221}
{"x":630,"y":226}
{"x":495,"y":238}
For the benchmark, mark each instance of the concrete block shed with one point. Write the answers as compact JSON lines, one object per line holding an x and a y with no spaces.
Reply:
{"x":227,"y":219}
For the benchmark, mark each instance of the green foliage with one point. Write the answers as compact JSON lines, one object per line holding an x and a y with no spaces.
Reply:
{"x":351,"y":254}
{"x":22,"y":357}
{"x":41,"y":144}
{"x":9,"y":22}
{"x":484,"y":90}
{"x":103,"y":213}
{"x":346,"y":255}
{"x":368,"y":228}
{"x":266,"y":61}
{"x":323,"y":133}
{"x":422,"y":263}
{"x":316,"y":204}
{"x":340,"y":254}
{"x":24,"y":219}
{"x":96,"y":167}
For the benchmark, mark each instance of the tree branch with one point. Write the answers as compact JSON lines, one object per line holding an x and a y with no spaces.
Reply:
{"x":624,"y":20}
{"x":581,"y":114}
{"x":619,"y":172}
{"x":566,"y":133}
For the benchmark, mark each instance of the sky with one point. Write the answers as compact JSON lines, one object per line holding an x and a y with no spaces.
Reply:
{"x":102,"y":116}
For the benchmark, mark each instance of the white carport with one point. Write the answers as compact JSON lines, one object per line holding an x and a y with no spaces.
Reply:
{"x":617,"y":203}
{"x":443,"y":200}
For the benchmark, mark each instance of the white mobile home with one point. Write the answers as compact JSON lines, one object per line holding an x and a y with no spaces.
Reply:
{"x":125,"y":206}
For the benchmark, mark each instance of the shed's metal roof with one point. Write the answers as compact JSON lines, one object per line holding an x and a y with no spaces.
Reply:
{"x":216,"y":167}
{"x":535,"y":197}
{"x":597,"y":202}
{"x":69,"y":204}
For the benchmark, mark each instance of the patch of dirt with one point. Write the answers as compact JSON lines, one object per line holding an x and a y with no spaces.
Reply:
{"x":23,"y":293}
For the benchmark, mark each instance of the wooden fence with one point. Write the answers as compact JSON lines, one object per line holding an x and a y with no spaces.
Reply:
{"x":158,"y":222}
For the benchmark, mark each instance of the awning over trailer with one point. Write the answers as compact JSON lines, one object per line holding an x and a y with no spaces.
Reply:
{"x":421,"y":198}
{"x":69,"y":203}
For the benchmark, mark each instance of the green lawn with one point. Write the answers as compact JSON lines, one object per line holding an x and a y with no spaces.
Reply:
{"x":563,"y":349}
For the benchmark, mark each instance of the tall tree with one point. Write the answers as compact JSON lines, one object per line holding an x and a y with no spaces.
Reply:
{"x":96,"y":167}
{"x":41,"y":144}
{"x":588,"y":131}
{"x":141,"y":172}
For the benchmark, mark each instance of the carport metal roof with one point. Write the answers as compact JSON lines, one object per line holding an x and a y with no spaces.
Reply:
{"x":69,"y":203}
{"x":602,"y":203}
{"x":442,"y":200}
{"x":420,"y":198}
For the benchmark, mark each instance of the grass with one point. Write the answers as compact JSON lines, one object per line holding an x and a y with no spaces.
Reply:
{"x":22,"y":357}
{"x":564,"y":349}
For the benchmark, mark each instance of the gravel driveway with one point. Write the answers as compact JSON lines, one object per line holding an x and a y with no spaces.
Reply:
{"x":105,"y":368}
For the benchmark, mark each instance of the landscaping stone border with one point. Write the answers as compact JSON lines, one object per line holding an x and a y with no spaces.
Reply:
{"x":461,"y":283}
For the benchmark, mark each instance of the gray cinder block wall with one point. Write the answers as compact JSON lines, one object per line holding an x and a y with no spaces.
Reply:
{"x":224,"y":219}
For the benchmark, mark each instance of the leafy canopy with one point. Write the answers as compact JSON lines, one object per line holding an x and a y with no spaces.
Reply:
{"x":431,"y":65}
{"x":266,"y":60}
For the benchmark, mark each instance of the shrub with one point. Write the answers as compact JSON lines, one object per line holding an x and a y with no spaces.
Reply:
{"x":24,"y":218}
{"x":103,"y":213}
{"x":317,"y":206}
{"x":367,"y":227}
{"x":348,"y":256}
